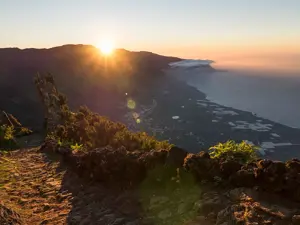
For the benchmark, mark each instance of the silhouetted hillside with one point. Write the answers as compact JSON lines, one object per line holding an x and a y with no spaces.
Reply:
{"x":81,"y":71}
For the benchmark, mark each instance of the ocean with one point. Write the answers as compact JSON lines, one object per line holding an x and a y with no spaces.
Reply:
{"x":271,"y":95}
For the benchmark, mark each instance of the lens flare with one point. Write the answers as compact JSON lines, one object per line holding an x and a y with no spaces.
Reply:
{"x":131,"y":104}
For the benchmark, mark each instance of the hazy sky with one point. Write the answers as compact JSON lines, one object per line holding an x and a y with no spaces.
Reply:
{"x":188,"y":28}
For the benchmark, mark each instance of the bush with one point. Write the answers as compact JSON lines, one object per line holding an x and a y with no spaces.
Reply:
{"x":10,"y":129}
{"x":7,"y":138}
{"x":242,"y":152}
{"x":90,"y":130}
{"x":87,"y":129}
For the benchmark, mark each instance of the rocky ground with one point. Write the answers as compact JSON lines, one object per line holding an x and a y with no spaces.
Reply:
{"x":37,"y":187}
{"x":40,"y":190}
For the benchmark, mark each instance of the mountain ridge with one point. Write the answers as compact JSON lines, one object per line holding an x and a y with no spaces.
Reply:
{"x":88,"y":68}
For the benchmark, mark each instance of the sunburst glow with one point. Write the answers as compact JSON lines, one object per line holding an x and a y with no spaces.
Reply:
{"x":106,"y":47}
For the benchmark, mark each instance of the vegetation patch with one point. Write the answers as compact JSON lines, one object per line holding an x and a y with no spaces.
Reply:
{"x":10,"y":130}
{"x":85,"y":130}
{"x":242,"y":152}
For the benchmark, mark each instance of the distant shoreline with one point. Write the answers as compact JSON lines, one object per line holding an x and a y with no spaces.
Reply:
{"x":201,"y":123}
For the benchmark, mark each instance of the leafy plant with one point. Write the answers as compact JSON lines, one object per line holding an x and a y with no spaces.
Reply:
{"x":76,"y":147}
{"x":93,"y":131}
{"x":24,"y":131}
{"x":89,"y":128}
{"x":7,"y":139}
{"x":230,"y":150}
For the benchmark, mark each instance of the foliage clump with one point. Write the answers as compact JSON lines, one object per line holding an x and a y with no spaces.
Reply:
{"x":242,"y":152}
{"x":10,"y":129}
{"x":85,"y":129}
{"x":7,"y":138}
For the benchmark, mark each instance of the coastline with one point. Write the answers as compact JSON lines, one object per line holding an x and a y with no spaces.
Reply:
{"x":184,"y":116}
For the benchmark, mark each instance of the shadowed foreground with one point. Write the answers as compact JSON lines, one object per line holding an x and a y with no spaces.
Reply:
{"x":37,"y":188}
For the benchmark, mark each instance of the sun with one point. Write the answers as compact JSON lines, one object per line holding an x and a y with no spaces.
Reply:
{"x":106,"y":47}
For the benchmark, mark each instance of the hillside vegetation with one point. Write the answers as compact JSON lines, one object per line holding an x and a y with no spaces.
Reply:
{"x":74,"y":66}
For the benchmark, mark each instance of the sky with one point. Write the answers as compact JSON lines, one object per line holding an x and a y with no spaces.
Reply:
{"x":215,"y":29}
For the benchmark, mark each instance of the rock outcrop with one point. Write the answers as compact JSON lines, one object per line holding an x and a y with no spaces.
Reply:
{"x":119,"y":165}
{"x":109,"y":165}
{"x":271,"y":176}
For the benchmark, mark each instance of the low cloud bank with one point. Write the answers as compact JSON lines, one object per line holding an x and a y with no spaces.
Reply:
{"x":189,"y":63}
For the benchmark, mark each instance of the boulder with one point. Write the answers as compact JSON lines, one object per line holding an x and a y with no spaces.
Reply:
{"x":151,"y":159}
{"x":243,"y":178}
{"x":276,"y":168}
{"x":293,"y":166}
{"x":113,"y":166}
{"x":251,"y":213}
{"x":64,"y":151}
{"x":264,"y":163}
{"x":292,"y":186}
{"x":270,"y":175}
{"x":229,"y":167}
{"x":50,"y":145}
{"x":204,"y":155}
{"x":210,"y":202}
{"x":296,"y":220}
{"x":202,"y":167}
{"x":176,"y":157}
{"x":231,"y":215}
{"x":249,"y":166}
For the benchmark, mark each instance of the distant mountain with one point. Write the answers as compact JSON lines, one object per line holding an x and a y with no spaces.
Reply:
{"x":81,"y":71}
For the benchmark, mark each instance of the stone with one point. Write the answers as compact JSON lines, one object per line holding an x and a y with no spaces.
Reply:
{"x":204,"y":155}
{"x":236,"y":194}
{"x":296,"y":220}
{"x":110,"y":165}
{"x":153,"y":158}
{"x":232,"y":214}
{"x":165,"y":214}
{"x":264,"y":163}
{"x":293,"y":166}
{"x":229,"y":167}
{"x":158,"y":201}
{"x":64,"y":151}
{"x":277,"y":167}
{"x":119,"y":221}
{"x":202,"y":168}
{"x":183,"y":208}
{"x":198,"y":220}
{"x":210,"y":202}
{"x":176,"y":157}
{"x":243,"y":178}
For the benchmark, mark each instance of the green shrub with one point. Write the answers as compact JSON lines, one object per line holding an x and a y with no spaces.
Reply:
{"x":230,"y":150}
{"x":7,"y":138}
{"x":76,"y":147}
{"x":90,"y":130}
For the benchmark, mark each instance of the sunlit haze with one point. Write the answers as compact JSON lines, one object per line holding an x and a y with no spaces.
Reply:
{"x":230,"y":31}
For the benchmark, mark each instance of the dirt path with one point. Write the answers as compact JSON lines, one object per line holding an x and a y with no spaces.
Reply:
{"x":42,"y":191}
{"x":31,"y":187}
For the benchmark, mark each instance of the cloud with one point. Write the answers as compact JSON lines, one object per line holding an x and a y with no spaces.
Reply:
{"x":188,"y":63}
